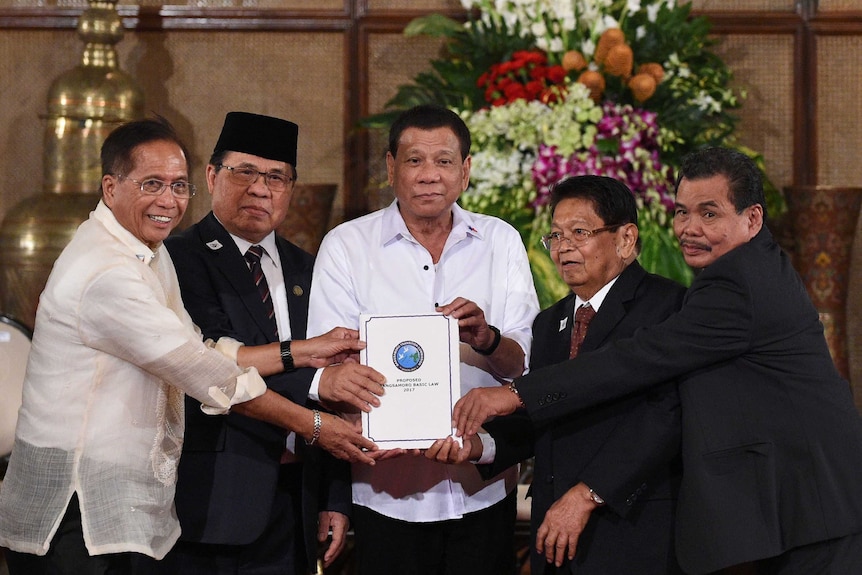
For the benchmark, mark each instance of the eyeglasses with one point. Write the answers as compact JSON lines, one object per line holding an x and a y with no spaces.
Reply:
{"x":554,"y":240}
{"x":245,"y":176}
{"x":154,"y":187}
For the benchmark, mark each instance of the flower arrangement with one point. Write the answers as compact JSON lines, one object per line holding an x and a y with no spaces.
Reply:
{"x":556,"y":88}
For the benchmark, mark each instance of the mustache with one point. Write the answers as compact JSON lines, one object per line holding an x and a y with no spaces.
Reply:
{"x":698,"y":245}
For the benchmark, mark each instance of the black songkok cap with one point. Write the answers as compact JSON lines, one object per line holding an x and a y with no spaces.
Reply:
{"x":264,"y":136}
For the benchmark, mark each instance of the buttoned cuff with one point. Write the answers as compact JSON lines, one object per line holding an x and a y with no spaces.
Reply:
{"x":314,"y":388}
{"x":489,"y":449}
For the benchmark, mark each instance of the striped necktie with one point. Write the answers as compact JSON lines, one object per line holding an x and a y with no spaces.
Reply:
{"x":252,"y":257}
{"x":583,"y":317}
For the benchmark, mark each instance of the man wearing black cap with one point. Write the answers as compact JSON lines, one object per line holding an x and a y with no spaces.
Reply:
{"x":239,"y":278}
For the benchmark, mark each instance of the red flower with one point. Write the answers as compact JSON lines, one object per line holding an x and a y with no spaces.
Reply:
{"x":534,"y":89}
{"x":514,"y":92}
{"x":533,"y":56}
{"x":526,"y":75}
{"x":556,"y":74}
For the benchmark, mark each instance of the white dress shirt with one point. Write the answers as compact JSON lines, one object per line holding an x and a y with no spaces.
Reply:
{"x":374,"y":265}
{"x":102,"y":414}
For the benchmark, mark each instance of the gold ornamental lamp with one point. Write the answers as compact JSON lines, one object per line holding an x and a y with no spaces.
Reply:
{"x":84,"y":105}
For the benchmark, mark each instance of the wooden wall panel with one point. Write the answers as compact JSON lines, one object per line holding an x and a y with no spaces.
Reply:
{"x":839,"y":107}
{"x":839,"y":139}
{"x":392,"y":60}
{"x":747,"y":5}
{"x":269,"y":73}
{"x":413,"y":5}
{"x":838,"y":5}
{"x":763,"y":67}
{"x":317,"y":5}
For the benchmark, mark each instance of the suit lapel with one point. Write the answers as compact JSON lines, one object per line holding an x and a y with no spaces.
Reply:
{"x":613,"y":309}
{"x":562,"y":343}
{"x":296,"y":285}
{"x":231,"y":264}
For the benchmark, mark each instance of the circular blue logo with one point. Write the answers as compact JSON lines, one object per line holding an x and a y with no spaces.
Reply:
{"x":408,"y":356}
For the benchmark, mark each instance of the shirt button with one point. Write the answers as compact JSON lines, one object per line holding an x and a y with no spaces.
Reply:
{"x":425,"y":268}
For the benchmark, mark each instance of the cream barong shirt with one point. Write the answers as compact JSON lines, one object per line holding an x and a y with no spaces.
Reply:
{"x":374,"y":265}
{"x":113,"y":352}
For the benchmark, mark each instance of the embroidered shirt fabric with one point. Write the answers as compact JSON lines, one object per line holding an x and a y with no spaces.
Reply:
{"x":113,"y":352}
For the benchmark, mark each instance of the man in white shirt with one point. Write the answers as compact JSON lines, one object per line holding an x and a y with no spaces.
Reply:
{"x":420,"y":255}
{"x":90,"y":483}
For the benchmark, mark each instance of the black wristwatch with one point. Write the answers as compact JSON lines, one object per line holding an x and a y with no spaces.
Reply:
{"x":286,"y":356}
{"x":494,"y":344}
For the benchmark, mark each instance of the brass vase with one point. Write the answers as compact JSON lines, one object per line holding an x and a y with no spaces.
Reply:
{"x":84,"y":105}
{"x":823,"y":219}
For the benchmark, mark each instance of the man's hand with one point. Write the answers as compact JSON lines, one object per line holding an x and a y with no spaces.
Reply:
{"x":351,"y":387}
{"x":507,"y":357}
{"x":557,"y":537}
{"x":332,"y":347}
{"x":479,"y":404}
{"x":472,"y":327}
{"x":448,"y":451}
{"x":341,"y":439}
{"x":335,"y":524}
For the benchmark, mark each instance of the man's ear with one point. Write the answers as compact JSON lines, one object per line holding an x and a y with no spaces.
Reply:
{"x":627,"y":239}
{"x":109,"y":189}
{"x":390,"y":168}
{"x":755,"y":220}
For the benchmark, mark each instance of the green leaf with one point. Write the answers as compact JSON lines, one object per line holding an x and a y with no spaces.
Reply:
{"x":434,"y":25}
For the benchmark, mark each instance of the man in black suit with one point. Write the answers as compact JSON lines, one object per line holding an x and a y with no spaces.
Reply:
{"x":771,"y":440}
{"x":259,"y":299}
{"x":613,"y":473}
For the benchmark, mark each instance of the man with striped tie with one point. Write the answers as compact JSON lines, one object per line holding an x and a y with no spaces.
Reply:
{"x":239,"y":277}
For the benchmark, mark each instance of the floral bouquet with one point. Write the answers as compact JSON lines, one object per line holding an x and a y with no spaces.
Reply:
{"x":559,"y":88}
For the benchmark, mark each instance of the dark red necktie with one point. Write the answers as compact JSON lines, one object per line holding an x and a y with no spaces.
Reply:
{"x":252,"y":256}
{"x":583,"y":317}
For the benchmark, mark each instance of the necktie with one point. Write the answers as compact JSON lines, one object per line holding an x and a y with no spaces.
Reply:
{"x":583,"y":317}
{"x":252,"y":257}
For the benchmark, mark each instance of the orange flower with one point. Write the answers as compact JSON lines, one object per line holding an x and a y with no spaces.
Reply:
{"x":653,"y":69}
{"x":642,"y":86}
{"x":574,"y":60}
{"x":619,"y":61}
{"x":609,"y":38}
{"x":595,"y":82}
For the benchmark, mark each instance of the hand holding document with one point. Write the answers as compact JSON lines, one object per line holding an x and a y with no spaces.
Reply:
{"x":419,"y":356}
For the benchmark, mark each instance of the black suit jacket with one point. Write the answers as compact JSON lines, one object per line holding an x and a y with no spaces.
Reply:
{"x":626,"y":450}
{"x":230,"y":464}
{"x":772,"y":442}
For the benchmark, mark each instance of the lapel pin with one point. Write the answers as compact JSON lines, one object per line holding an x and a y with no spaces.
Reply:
{"x":563,"y":323}
{"x":214,"y":245}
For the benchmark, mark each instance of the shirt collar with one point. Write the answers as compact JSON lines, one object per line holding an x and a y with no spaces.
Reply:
{"x":267,"y":243}
{"x":106,"y":217}
{"x":394,"y":228}
{"x":597,"y":300}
